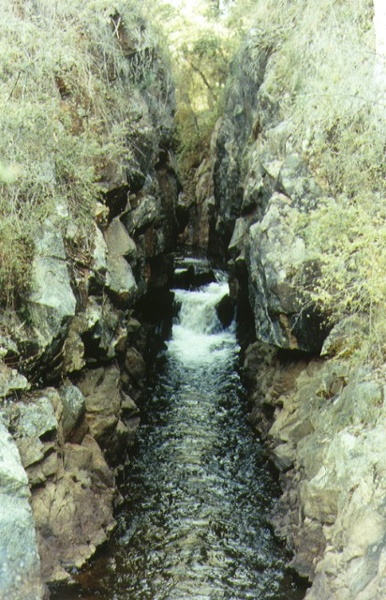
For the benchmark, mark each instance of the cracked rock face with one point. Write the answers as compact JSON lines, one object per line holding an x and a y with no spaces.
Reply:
{"x":324,"y":422}
{"x":261,"y":188}
{"x":280,"y":318}
{"x":69,"y":534}
{"x":326,"y":434}
{"x":20,"y":575}
{"x":72,"y":487}
{"x":51,"y":302}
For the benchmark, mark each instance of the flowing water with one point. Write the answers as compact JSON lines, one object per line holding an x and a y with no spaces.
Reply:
{"x":199,"y":491}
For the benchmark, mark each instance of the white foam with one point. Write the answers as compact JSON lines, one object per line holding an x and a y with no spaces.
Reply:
{"x":198,"y":337}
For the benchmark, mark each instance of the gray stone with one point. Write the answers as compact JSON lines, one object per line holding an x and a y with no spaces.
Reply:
{"x":133,"y":326}
{"x":118,"y":241}
{"x":19,"y":558}
{"x":36,"y":418}
{"x":51,"y":301}
{"x":280,"y":318}
{"x":106,"y":325}
{"x":99,"y":253}
{"x":132,"y":425}
{"x":11,"y":381}
{"x":144,"y":215}
{"x":74,"y":408}
{"x":239,"y":236}
{"x":76,"y":509}
{"x":345,"y":336}
{"x":120,"y":279}
{"x":73,"y":350}
{"x":7,"y":345}
{"x":77,"y":458}
{"x":31,"y":450}
{"x":102,"y":427}
{"x":40,"y":472}
{"x":50,"y":242}
{"x":102,"y":325}
{"x":295,"y":180}
{"x":360,"y":402}
{"x":319,"y":502}
{"x":123,"y":438}
{"x":284,"y":457}
{"x":100,"y":388}
{"x":135,"y":364}
{"x":129,"y":406}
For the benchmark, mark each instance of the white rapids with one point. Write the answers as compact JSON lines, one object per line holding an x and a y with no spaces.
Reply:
{"x":197,"y":336}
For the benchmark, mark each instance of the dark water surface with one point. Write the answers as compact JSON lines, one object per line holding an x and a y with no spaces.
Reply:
{"x":198,"y":492}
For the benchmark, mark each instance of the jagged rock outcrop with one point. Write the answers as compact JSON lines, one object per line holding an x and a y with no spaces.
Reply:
{"x":51,"y":302}
{"x":279,"y":312}
{"x":321,"y":417}
{"x":67,"y":474}
{"x":75,"y":347}
{"x":257,"y":192}
{"x":324,"y":423}
{"x":19,"y":557}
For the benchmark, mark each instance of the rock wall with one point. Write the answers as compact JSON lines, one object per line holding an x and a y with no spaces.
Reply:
{"x":323,"y":422}
{"x":261,"y":188}
{"x":322,"y":418}
{"x":72,"y":365}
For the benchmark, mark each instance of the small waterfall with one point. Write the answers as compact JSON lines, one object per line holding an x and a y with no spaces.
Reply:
{"x":198,"y":337}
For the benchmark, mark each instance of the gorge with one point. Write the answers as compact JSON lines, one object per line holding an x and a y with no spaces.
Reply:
{"x":285,"y":187}
{"x":198,"y":493}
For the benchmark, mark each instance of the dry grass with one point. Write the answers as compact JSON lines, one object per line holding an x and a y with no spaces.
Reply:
{"x":69,"y":74}
{"x":322,"y":70}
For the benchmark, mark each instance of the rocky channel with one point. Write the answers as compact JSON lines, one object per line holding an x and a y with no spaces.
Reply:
{"x":74,"y":355}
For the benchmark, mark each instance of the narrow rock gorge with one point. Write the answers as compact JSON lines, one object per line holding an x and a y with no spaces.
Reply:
{"x":284,"y":188}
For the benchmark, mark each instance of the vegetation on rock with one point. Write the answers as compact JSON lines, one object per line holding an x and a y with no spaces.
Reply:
{"x":324,"y":77}
{"x":324,"y":84}
{"x":203,"y":37}
{"x":65,"y":74}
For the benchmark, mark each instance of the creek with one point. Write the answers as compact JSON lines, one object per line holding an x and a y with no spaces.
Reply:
{"x":198,"y":492}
